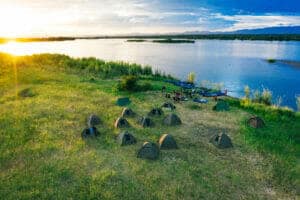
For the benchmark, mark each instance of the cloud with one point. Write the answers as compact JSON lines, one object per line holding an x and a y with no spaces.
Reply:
{"x":93,"y":17}
{"x":257,"y":21}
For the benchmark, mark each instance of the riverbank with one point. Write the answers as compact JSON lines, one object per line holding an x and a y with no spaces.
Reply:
{"x":43,"y":155}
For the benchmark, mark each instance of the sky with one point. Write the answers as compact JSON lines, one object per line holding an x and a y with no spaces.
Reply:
{"x":20,"y":18}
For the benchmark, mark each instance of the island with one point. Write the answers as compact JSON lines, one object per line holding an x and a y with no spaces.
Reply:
{"x":170,"y":40}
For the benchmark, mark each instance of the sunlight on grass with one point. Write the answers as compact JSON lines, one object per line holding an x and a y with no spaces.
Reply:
{"x":43,"y":155}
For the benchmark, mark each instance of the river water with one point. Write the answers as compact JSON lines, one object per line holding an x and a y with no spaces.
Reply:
{"x":233,"y":63}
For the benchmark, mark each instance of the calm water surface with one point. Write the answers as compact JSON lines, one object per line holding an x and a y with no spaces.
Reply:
{"x":233,"y":63}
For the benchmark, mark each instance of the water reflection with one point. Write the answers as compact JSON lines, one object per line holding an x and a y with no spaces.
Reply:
{"x":234,"y":63}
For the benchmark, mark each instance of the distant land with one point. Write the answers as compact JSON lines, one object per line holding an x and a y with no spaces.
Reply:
{"x":269,"y":34}
{"x":271,"y":30}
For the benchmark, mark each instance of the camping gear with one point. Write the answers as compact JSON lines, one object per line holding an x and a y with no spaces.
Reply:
{"x":127,"y":112}
{"x":145,"y":122}
{"x":121,"y":122}
{"x":126,"y":138}
{"x":156,"y":112}
{"x":221,"y":106}
{"x":221,"y":141}
{"x":149,"y":151}
{"x":169,"y":105}
{"x":172,"y":120}
{"x":197,"y":100}
{"x":167,"y":141}
{"x":89,"y":132}
{"x":256,"y":122}
{"x":124,"y":101}
{"x":93,"y":120}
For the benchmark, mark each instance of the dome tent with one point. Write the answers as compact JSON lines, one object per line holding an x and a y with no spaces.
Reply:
{"x":121,"y":122}
{"x":256,"y":122}
{"x":172,"y":120}
{"x":90,"y":132}
{"x":167,"y":141}
{"x":145,"y":122}
{"x":93,"y":120}
{"x":149,"y":151}
{"x":126,"y":138}
{"x":127,"y":112}
{"x":221,"y":141}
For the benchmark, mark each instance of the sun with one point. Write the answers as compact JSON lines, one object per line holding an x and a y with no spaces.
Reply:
{"x":15,"y":21}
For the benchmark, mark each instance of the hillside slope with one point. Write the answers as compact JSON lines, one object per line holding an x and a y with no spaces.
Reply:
{"x":42,"y":154}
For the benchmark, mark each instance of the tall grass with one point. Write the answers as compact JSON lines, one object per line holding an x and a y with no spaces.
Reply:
{"x":298,"y":102}
{"x":191,"y":77}
{"x":98,"y":67}
{"x":264,"y":97}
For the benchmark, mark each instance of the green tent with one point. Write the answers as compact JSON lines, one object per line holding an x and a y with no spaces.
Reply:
{"x":124,"y":101}
{"x":221,"y":106}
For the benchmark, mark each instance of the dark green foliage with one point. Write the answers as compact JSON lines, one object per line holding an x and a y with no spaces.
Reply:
{"x":136,"y":40}
{"x":267,"y":112}
{"x":90,"y":65}
{"x":271,"y":60}
{"x":170,"y":40}
{"x":27,"y":92}
{"x":130,"y":83}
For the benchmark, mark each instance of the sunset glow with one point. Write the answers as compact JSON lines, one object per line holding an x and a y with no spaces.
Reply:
{"x":107,"y":17}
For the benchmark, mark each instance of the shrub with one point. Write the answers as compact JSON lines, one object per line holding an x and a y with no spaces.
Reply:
{"x":128,"y":83}
{"x":191,"y":77}
{"x":145,"y":87}
{"x":265,"y":97}
{"x":298,"y":102}
{"x":271,"y":60}
{"x":247,"y":92}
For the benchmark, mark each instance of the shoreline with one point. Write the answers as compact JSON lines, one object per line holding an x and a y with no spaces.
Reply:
{"x":242,"y":37}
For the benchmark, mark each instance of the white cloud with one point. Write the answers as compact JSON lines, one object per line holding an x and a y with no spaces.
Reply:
{"x":95,"y":17}
{"x":257,"y":21}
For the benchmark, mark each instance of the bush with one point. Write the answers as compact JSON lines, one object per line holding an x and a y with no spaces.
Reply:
{"x":191,"y":77}
{"x":265,"y":97}
{"x":130,"y":83}
{"x":298,"y":103}
{"x":247,"y":92}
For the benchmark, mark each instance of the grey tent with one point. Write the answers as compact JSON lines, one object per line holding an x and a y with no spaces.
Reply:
{"x":172,"y":120}
{"x":121,"y":122}
{"x":145,"y":122}
{"x":149,"y":150}
{"x":90,"y":132}
{"x":167,"y":141}
{"x":256,"y":122}
{"x":93,"y":120}
{"x":126,"y":138}
{"x":127,"y":112}
{"x":169,"y":105}
{"x":221,"y":141}
{"x":156,"y":112}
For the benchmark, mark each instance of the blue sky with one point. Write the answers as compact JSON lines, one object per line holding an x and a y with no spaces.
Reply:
{"x":104,"y":17}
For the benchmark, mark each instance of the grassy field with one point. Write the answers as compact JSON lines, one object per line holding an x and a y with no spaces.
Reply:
{"x":42,"y":154}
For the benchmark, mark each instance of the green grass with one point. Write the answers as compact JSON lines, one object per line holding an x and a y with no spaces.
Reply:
{"x":42,"y":155}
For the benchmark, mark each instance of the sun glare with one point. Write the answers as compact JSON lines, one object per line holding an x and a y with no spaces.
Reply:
{"x":15,"y":21}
